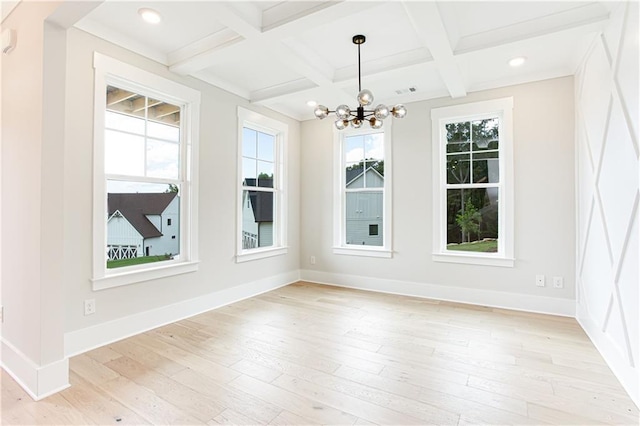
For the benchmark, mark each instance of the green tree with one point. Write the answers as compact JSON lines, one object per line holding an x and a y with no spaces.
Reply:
{"x":172,"y":188}
{"x":468,"y":220}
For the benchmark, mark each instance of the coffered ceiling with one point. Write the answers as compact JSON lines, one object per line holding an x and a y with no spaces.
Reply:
{"x":282,"y":54}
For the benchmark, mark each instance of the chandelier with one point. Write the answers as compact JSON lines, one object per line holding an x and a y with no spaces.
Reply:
{"x":356,"y":118}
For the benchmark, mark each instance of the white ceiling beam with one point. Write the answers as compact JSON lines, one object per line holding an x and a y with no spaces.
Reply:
{"x":281,"y":91}
{"x":427,"y":23}
{"x":223,"y":84}
{"x":557,"y":22}
{"x":263,"y":40}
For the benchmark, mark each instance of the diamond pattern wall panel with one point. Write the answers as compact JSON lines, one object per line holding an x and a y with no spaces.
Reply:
{"x":608,"y":195}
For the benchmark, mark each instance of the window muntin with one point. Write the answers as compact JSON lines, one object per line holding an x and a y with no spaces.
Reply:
{"x":364,"y":188}
{"x":473,"y":189}
{"x":473,"y":180}
{"x":145,"y":137}
{"x":257,"y":188}
{"x":142,"y":171}
{"x":362,"y":209}
{"x":262,"y":200}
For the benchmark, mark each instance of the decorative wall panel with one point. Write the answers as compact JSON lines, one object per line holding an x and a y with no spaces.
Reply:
{"x":607,"y":195}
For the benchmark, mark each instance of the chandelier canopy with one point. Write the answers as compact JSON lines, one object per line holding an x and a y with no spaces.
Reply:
{"x":358,"y":116}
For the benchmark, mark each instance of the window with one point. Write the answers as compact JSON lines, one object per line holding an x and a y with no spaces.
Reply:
{"x":362,"y":202}
{"x":473,"y":175}
{"x":261,"y":181}
{"x":144,"y":136}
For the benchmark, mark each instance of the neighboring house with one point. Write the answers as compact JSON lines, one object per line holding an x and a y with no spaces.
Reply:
{"x":257,"y":215}
{"x":364,"y":209}
{"x":143,"y":224}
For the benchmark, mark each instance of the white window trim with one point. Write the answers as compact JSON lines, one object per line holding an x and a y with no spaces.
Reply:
{"x":111,"y":71}
{"x":256,"y":121}
{"x":339,"y":197}
{"x":503,"y":108}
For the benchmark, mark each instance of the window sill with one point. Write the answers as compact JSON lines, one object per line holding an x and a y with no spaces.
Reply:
{"x":132,"y":277}
{"x":255,"y":254}
{"x":474,"y":259}
{"x":360,"y":251}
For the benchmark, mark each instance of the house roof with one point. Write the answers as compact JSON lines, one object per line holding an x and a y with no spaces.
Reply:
{"x":135,"y":208}
{"x":355,"y":173}
{"x":261,"y":202}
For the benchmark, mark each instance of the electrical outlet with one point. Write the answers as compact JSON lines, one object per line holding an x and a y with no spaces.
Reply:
{"x":558,"y":282}
{"x":540,"y":280}
{"x":312,"y":260}
{"x":90,"y":306}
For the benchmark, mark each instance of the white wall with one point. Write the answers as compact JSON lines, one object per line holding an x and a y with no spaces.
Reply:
{"x":607,"y":195}
{"x":544,"y":208}
{"x":32,"y":227}
{"x":157,"y":301}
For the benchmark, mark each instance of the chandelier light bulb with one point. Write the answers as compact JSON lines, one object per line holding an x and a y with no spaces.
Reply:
{"x":375,"y":123}
{"x":341,"y":124}
{"x":381,"y":112}
{"x":399,"y":111}
{"x":356,"y":123}
{"x":365,"y":97}
{"x":343,"y":112}
{"x":321,"y":112}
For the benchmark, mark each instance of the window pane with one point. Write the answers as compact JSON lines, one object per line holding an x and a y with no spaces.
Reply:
{"x":354,"y":149}
{"x":124,"y":153}
{"x":138,"y":218}
{"x":373,"y":177}
{"x":472,"y":219}
{"x":458,"y":168}
{"x":163,"y":159}
{"x":265,"y":174}
{"x":257,"y":219}
{"x":249,"y":143}
{"x":486,"y":167}
{"x":363,"y":209}
{"x":354,"y":178}
{"x":125,"y":123}
{"x":163,"y":131}
{"x":485,"y":134}
{"x":374,"y":147}
{"x":249,"y":171}
{"x":266,"y":145}
{"x":458,"y":132}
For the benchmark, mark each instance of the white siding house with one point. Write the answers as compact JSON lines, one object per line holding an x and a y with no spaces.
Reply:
{"x":143,"y":224}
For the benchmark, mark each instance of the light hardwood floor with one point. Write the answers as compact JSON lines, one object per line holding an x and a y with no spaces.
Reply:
{"x":310,"y":354}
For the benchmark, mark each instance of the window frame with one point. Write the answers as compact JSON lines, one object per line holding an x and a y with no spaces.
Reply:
{"x":339,"y":200}
{"x":503,"y":109}
{"x":110,"y":71}
{"x":280,"y":130}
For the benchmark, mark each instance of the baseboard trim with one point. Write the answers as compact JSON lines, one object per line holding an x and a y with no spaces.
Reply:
{"x":628,"y":376}
{"x":86,"y":339}
{"x":492,"y":298}
{"x":38,"y":381}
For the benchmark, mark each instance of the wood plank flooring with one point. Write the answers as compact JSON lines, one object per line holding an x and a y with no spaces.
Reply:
{"x":310,"y":354}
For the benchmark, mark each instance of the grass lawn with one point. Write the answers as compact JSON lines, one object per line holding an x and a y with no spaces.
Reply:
{"x":135,"y":261}
{"x":481,"y":246}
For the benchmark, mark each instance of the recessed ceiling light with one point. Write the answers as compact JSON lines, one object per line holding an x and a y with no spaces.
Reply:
{"x":516,"y":62}
{"x":150,"y":15}
{"x":312,"y":103}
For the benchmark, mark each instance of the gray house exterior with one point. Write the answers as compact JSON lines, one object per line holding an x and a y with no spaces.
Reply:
{"x":364,"y":209}
{"x":143,"y":224}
